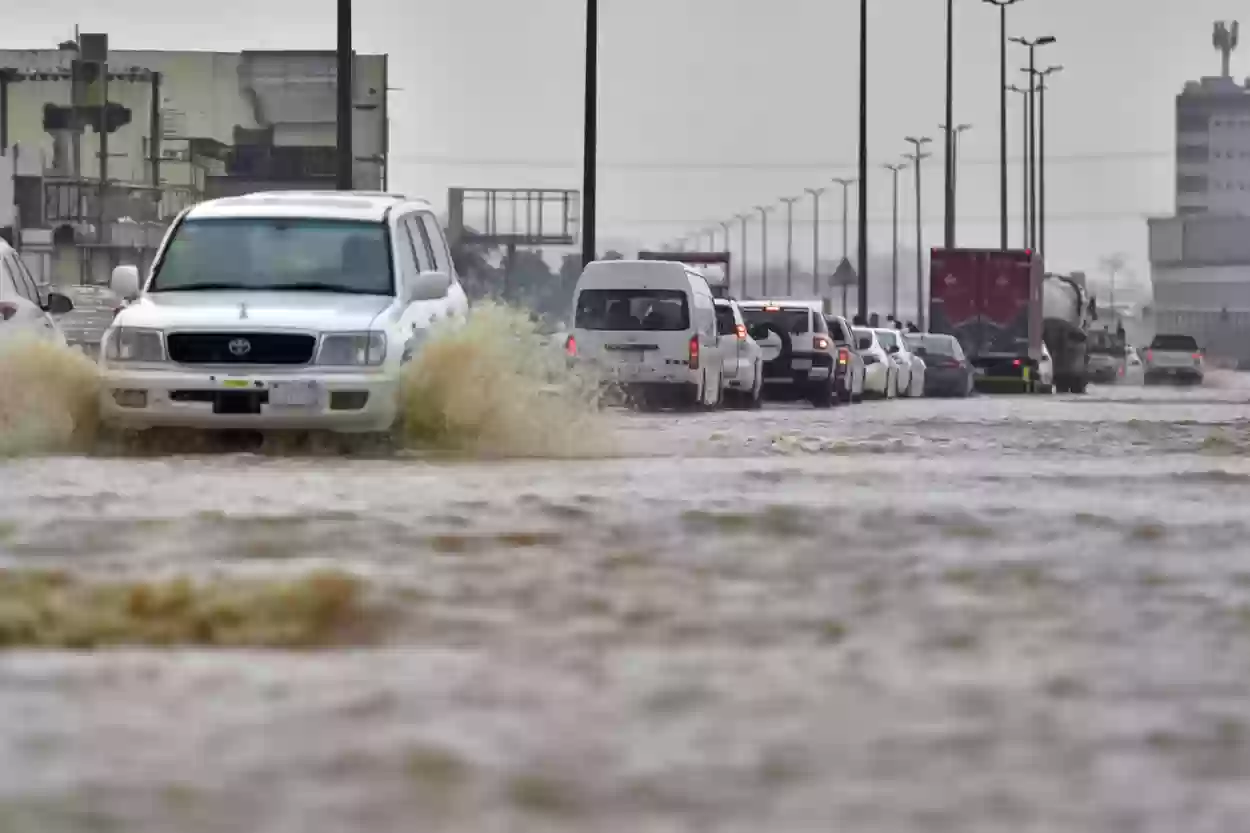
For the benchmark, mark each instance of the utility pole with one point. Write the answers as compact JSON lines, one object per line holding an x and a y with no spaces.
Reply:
{"x":918,"y":157}
{"x":1024,"y":165}
{"x":846,"y":188}
{"x":1002,"y":129}
{"x":816,"y":193}
{"x":1032,"y":45}
{"x":789,"y":203}
{"x":725,"y":227}
{"x":763,"y":210}
{"x":1041,"y":76}
{"x":894,"y":169}
{"x":742,"y":270}
{"x":343,"y":89}
{"x":862,"y":289}
{"x":960,"y":129}
{"x":949,"y":172}
{"x":590,"y":132}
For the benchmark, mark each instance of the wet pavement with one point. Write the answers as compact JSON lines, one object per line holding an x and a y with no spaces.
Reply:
{"x":1026,"y":614}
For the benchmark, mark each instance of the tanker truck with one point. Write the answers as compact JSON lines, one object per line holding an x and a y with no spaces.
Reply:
{"x":1066,"y":315}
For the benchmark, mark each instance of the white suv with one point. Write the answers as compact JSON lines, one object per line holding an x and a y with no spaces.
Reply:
{"x":798,"y":350}
{"x":286,"y":310}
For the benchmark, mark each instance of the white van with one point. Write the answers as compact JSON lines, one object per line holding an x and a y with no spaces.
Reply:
{"x":649,"y":326}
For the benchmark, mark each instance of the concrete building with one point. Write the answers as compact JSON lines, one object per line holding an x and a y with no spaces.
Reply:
{"x":1200,"y":257}
{"x":180,"y":127}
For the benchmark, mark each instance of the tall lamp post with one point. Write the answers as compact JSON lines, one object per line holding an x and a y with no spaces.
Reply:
{"x":590,"y":130}
{"x":725,"y":227}
{"x":789,"y":203}
{"x":1041,"y":76}
{"x":343,"y":98}
{"x":1032,"y":45}
{"x":894,"y":169}
{"x":1024,"y":163}
{"x":949,"y":166}
{"x":846,"y":187}
{"x":862,"y":289}
{"x":816,"y":193}
{"x":763,"y":210}
{"x":742,"y":270}
{"x":1002,"y":130}
{"x":918,"y":157}
{"x":960,"y":129}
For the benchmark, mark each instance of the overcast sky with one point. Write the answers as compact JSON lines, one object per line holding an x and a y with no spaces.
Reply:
{"x":710,"y":107}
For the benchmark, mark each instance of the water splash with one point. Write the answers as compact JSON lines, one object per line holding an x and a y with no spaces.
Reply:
{"x":48,"y":398}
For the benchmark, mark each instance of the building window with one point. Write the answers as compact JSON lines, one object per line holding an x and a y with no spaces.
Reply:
{"x":1191,"y":184}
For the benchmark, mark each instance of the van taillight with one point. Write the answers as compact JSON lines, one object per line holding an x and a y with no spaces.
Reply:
{"x":822,"y":343}
{"x":570,"y":346}
{"x":694,"y":352}
{"x":1197,"y":356}
{"x":1150,"y":355}
{"x":741,"y":330}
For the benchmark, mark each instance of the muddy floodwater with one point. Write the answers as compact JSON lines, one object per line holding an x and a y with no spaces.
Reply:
{"x":1006,"y":613}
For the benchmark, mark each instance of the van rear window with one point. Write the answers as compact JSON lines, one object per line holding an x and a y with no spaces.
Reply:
{"x":632,"y":309}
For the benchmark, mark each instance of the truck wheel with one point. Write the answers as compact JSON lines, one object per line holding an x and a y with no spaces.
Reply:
{"x":1077,"y":386}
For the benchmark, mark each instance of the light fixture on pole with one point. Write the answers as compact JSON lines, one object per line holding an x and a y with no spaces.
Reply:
{"x":1032,"y":45}
{"x":918,"y":157}
{"x":816,"y":193}
{"x":1041,"y":76}
{"x":763,"y":210}
{"x":789,"y":204}
{"x":1002,"y":130}
{"x":894,"y":169}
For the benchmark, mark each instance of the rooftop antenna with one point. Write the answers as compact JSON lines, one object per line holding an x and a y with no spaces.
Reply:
{"x":1225,"y":41}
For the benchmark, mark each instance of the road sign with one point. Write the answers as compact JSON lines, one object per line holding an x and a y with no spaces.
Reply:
{"x":844,"y":275}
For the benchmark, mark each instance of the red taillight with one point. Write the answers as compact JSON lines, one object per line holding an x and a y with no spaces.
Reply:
{"x":1150,"y":355}
{"x":951,"y":363}
{"x":1016,"y":363}
{"x":741,"y":330}
{"x":1197,"y":355}
{"x":570,"y":346}
{"x":694,"y":352}
{"x":7,"y":311}
{"x":844,"y":356}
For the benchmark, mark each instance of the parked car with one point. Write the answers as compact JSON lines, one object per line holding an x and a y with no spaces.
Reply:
{"x":1175,"y":358}
{"x":798,"y":351}
{"x":744,"y":360}
{"x":27,"y":310}
{"x":947,"y":369}
{"x":849,"y":371}
{"x":292,"y":310}
{"x":911,"y":368}
{"x":649,"y":327}
{"x":880,"y":371}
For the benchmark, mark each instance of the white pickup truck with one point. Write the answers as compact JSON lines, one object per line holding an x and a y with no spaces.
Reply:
{"x":1174,"y":358}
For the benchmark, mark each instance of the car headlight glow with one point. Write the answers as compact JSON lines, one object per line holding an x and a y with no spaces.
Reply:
{"x":135,"y":344}
{"x":352,"y":349}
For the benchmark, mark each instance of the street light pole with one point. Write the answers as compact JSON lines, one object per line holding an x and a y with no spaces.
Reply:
{"x":789,"y":203}
{"x":343,"y":98}
{"x":1024,"y":167}
{"x":949,"y":167}
{"x":590,"y":132}
{"x":816,"y":193}
{"x":763,"y":210}
{"x":1041,"y":77}
{"x":960,"y":129}
{"x":846,"y":186}
{"x":742,"y":270}
{"x":919,"y":157}
{"x":894,"y":169}
{"x":1002,"y":103}
{"x":725,"y":228}
{"x":1032,"y":45}
{"x":862,"y":288}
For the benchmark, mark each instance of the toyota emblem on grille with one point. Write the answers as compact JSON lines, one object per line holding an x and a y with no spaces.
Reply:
{"x":239,"y":347}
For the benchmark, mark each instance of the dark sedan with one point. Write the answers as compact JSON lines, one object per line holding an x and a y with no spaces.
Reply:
{"x":947,"y":370}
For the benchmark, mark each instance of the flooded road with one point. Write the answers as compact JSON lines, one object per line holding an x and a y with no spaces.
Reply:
{"x":1027,"y":614}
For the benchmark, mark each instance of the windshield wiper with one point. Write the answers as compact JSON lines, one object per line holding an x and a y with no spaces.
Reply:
{"x":317,"y":286}
{"x":196,"y":287}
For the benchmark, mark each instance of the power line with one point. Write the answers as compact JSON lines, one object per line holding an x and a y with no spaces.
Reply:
{"x":1070,"y":217}
{"x":441,"y":160}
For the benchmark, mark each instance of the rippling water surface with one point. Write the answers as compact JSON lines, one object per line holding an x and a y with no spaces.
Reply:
{"x":983,"y":615}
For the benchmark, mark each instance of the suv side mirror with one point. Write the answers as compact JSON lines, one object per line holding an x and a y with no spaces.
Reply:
{"x":58,"y":304}
{"x":893,"y":351}
{"x":427,"y":286}
{"x":125,"y":281}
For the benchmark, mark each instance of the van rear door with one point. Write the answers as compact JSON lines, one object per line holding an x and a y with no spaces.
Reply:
{"x":639,"y":333}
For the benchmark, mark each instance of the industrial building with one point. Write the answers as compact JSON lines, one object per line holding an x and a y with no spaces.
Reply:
{"x":1200,"y":256}
{"x":178,"y":127}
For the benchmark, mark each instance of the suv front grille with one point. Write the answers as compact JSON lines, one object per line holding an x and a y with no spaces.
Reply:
{"x":261,"y":348}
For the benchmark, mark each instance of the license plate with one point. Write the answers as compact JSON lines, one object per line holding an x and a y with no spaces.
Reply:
{"x":978,"y":371}
{"x":235,"y":383}
{"x":801,"y":364}
{"x":294,"y":394}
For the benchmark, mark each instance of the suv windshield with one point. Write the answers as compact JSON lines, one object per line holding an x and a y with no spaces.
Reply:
{"x":1182,"y":343}
{"x":632,"y":309}
{"x":888,"y":340}
{"x":268,"y":253}
{"x":796,"y":322}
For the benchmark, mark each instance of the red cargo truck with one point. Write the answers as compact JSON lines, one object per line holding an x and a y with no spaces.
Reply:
{"x":991,"y":300}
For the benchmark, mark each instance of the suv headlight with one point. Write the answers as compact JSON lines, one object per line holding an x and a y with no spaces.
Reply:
{"x":135,"y":344}
{"x":352,"y":349}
